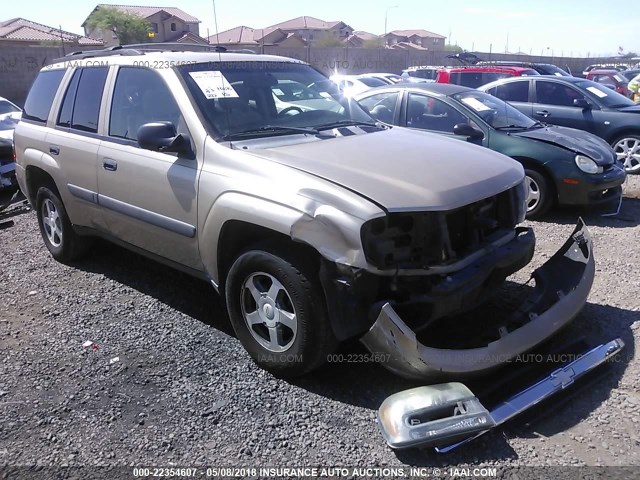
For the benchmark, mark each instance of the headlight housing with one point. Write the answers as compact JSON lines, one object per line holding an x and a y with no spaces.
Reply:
{"x":587,"y":165}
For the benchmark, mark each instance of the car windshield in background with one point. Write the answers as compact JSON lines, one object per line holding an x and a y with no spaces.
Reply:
{"x":609,"y":98}
{"x":254,"y":98}
{"x":498,"y":114}
{"x":372,"y":82}
{"x":7,"y":107}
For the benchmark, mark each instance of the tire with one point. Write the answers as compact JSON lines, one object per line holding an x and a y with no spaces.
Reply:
{"x":61,"y":240}
{"x":539,"y":194}
{"x":276,"y":292}
{"x":627,"y":148}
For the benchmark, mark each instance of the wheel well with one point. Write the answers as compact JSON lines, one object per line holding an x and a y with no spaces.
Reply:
{"x":533,"y":165}
{"x":237,"y":236}
{"x":36,"y":178}
{"x":621,"y":134}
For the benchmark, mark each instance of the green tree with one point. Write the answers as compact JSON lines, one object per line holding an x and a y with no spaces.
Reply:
{"x":330,"y":42}
{"x":373,"y":43}
{"x":129,"y":28}
{"x":452,"y":48}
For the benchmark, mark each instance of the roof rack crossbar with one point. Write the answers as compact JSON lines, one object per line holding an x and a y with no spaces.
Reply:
{"x":176,"y":47}
{"x":141,"y":48}
{"x":96,"y":53}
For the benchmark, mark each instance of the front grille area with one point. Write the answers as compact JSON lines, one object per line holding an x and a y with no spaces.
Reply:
{"x":424,"y":239}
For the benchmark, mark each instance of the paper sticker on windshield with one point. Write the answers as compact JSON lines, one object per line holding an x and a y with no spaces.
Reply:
{"x":278,"y":92}
{"x":213,"y":84}
{"x":476,"y":104}
{"x":597,"y":91}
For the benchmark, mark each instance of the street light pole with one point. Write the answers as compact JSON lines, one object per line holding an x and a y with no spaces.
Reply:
{"x":386,"y":14}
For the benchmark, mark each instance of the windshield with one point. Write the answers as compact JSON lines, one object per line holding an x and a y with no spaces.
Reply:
{"x":262,"y":98}
{"x":495,"y":112}
{"x":7,"y":107}
{"x":607,"y":97}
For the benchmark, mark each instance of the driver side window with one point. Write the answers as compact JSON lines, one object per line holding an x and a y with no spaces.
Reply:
{"x":141,"y":96}
{"x":428,"y":113}
{"x":382,"y":106}
{"x":551,"y":93}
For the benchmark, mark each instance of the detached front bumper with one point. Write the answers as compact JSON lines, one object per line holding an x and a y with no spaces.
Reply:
{"x":562,"y":287}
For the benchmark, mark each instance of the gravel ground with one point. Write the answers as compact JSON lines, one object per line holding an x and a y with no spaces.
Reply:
{"x":166,"y":383}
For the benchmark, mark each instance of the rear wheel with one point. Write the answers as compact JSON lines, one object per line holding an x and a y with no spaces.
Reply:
{"x":539,"y":193}
{"x":56,"y":229}
{"x":627,"y":150}
{"x":277,"y":310}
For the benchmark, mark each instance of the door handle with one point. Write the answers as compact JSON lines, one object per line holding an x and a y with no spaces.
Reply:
{"x":544,"y":113}
{"x":109,"y":164}
{"x":54,"y":149}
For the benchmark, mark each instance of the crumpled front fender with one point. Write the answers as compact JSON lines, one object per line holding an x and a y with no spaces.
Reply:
{"x":562,"y":287}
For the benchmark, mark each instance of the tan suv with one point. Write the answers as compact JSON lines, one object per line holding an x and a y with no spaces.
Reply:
{"x":316,"y":223}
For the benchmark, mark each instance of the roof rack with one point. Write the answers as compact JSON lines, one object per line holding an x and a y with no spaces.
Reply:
{"x":142,"y":48}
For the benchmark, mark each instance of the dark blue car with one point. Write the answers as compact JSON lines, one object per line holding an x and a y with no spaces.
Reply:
{"x":577,"y":103}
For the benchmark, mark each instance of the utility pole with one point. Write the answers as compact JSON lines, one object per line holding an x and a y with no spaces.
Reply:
{"x":386,"y":15}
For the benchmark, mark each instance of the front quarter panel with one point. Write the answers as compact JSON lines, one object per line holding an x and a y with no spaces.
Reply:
{"x":240,"y":186}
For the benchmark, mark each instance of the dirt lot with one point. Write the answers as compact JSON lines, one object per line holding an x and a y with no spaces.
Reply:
{"x":166,"y":383}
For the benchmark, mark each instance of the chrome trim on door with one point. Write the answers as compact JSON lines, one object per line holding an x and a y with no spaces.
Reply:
{"x":148,"y":216}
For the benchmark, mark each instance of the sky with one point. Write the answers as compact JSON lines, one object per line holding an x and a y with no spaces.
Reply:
{"x":553,"y":27}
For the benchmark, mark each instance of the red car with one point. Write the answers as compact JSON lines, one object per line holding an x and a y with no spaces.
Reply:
{"x":474,"y":77}
{"x":612,"y":79}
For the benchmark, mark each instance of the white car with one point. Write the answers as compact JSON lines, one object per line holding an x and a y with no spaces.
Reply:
{"x":10,"y":115}
{"x":388,"y":78}
{"x":354,"y":84}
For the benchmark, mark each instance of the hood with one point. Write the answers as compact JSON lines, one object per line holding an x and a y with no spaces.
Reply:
{"x":630,"y":109}
{"x":403,"y":170}
{"x":577,"y":141}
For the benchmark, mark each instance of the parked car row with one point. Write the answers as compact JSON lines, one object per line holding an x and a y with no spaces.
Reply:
{"x":577,"y":103}
{"x":562,"y":165}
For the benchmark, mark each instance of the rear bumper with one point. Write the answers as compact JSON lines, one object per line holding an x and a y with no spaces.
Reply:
{"x":562,"y":287}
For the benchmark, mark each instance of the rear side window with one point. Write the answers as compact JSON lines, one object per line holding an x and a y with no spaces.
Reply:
{"x":86,"y":108}
{"x":512,"y":92}
{"x":41,"y":95}
{"x":475,"y":79}
{"x":81,"y":104}
{"x":66,"y":112}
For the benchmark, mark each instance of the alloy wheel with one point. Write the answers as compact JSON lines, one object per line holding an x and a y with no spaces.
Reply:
{"x":533,"y":194}
{"x":268,"y":312}
{"x":52,"y":222}
{"x":628,"y":152}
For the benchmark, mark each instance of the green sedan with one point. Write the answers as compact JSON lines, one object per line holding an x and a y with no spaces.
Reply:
{"x":563,"y":166}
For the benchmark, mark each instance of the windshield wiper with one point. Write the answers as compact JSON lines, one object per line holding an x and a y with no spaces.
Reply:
{"x":347,"y":123}
{"x":270,"y":129}
{"x":512,"y":127}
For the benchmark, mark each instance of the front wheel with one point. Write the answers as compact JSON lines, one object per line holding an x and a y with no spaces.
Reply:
{"x":538,"y":194}
{"x":277,"y":310}
{"x":627,"y":149}
{"x":56,"y":229}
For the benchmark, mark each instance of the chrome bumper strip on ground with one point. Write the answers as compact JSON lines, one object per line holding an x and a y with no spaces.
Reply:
{"x":555,"y":382}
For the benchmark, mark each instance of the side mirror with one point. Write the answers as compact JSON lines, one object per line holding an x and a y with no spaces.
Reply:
{"x":581,"y":103}
{"x":466,"y":130}
{"x":163,"y":137}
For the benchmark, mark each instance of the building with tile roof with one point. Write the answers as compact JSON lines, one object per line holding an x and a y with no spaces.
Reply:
{"x":21,"y":31}
{"x":168,"y":24}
